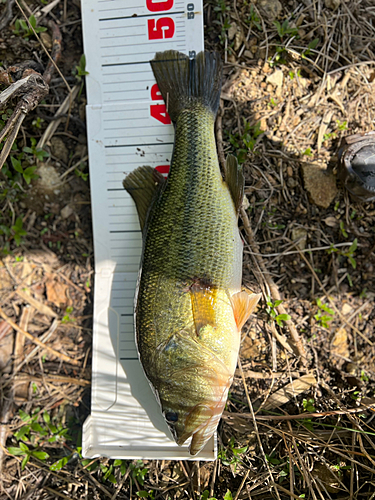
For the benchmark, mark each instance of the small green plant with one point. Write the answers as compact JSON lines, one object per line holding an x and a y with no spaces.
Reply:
{"x":206,"y":496}
{"x":80,"y":172}
{"x":37,"y":123}
{"x":342,"y":229}
{"x":284,"y":29}
{"x":324,"y":315}
{"x":80,"y":69}
{"x":37,"y":435}
{"x":350,"y":253}
{"x":308,"y":405}
{"x":236,"y":453}
{"x":66,"y":317}
{"x":253,"y":18}
{"x":246,"y":142}
{"x":307,"y":152}
{"x":272,"y":311}
{"x":17,"y":231}
{"x":21,"y":27}
{"x":311,"y":46}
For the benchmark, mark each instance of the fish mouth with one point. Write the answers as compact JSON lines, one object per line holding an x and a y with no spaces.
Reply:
{"x":202,"y":433}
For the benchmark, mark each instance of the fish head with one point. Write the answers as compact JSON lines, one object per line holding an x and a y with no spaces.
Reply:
{"x":194,"y":410}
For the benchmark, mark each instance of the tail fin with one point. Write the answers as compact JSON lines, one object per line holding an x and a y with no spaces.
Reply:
{"x":184,"y":82}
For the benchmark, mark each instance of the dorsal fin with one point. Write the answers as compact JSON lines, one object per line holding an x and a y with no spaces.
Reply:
{"x":143,"y":184}
{"x":235,"y":180}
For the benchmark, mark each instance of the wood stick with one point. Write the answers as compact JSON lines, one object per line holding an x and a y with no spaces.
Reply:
{"x":28,"y":335}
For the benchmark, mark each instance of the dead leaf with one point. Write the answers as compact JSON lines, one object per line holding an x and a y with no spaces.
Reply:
{"x":56,"y":292}
{"x":331,"y":222}
{"x":339,"y":344}
{"x":289,"y":391}
{"x":320,"y":184}
{"x":39,"y":306}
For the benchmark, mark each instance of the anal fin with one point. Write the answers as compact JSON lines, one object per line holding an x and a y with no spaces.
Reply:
{"x":143,"y":184}
{"x":243,"y":304}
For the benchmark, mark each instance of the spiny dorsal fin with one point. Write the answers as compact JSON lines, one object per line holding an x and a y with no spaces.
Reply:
{"x":243,"y":304}
{"x":235,"y":180}
{"x":142,"y":184}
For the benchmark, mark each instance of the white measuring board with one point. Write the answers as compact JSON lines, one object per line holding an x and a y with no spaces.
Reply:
{"x":127,"y":127}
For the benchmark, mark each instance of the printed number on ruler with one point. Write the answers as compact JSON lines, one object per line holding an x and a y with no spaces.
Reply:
{"x":159,"y":111}
{"x":163,"y":27}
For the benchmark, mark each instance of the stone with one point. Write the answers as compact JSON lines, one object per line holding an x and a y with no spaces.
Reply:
{"x":320,"y":184}
{"x":59,"y":150}
{"x":271,"y":9}
{"x":276,"y":78}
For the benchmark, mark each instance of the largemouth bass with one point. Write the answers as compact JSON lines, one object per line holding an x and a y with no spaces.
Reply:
{"x":189,"y":307}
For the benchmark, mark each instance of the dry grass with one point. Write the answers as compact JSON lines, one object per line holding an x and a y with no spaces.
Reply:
{"x":300,"y":419}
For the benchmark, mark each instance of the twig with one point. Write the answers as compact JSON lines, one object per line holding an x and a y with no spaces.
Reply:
{"x":59,"y":355}
{"x":358,"y":409}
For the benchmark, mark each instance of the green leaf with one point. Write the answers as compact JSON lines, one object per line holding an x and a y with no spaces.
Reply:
{"x":32,"y":21}
{"x":21,"y":433}
{"x":228,"y":495}
{"x":46,"y":417}
{"x":117,"y":462}
{"x":352,"y":261}
{"x":24,"y":461}
{"x":24,"y":416}
{"x":353,"y":246}
{"x":24,"y":447}
{"x":16,"y":164}
{"x":142,"y":494}
{"x":59,"y":464}
{"x":15,"y":451}
{"x":41,"y":455}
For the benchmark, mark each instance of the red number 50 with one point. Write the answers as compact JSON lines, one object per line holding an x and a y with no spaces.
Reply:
{"x":160,"y":28}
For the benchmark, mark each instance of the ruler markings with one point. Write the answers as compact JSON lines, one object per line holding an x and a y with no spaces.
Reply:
{"x":154,"y":14}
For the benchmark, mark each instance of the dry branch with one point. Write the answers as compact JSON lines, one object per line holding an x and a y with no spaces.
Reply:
{"x":59,"y":355}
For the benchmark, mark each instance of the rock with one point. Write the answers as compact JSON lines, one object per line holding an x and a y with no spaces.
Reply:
{"x":320,"y":184}
{"x":59,"y":150}
{"x":339,"y":344}
{"x":232,"y":31}
{"x":66,"y":211}
{"x":332,"y":4}
{"x":346,"y":309}
{"x":46,"y":39}
{"x":300,"y":234}
{"x":271,"y":9}
{"x":328,"y":476}
{"x":276,"y":78}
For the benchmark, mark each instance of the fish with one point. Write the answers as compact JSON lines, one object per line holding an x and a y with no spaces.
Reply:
{"x":189,"y":304}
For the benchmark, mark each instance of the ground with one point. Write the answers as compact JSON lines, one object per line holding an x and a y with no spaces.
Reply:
{"x":300,"y":419}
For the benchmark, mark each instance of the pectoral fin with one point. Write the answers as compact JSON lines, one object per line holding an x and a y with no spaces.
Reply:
{"x":143,"y":185}
{"x":243,"y":304}
{"x":235,"y":180}
{"x":203,"y":299}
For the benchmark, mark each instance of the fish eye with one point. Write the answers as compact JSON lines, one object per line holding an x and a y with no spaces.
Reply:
{"x":171,"y":417}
